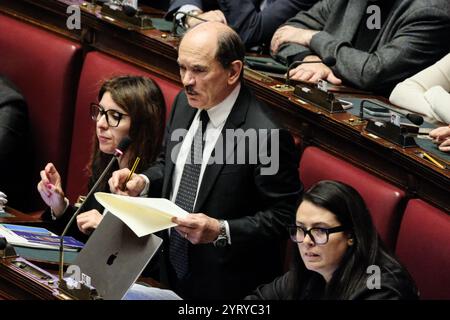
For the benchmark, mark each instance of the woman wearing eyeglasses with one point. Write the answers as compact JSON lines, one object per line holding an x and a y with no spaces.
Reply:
{"x":342,"y":256}
{"x":128,"y":106}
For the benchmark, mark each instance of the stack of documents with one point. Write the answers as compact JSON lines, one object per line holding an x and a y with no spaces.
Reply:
{"x":34,"y":237}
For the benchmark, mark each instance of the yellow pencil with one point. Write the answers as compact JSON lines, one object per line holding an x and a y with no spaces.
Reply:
{"x":433,"y":160}
{"x":136,"y":162}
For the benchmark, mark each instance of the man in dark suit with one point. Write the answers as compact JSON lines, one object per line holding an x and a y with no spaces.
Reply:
{"x":242,"y":189}
{"x":254,"y":20}
{"x":376,"y":43}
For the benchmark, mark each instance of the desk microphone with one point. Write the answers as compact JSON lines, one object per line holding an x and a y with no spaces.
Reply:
{"x":130,"y":8}
{"x":328,"y":61}
{"x":121,"y":148}
{"x":179,"y":16}
{"x":415,"y":118}
{"x":129,"y":11}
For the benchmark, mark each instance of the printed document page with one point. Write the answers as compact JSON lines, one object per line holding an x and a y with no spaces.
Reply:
{"x":142,"y":215}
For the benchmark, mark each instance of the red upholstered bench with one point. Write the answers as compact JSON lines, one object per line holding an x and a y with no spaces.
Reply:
{"x":45,"y":67}
{"x":98,"y":67}
{"x":423,"y":247}
{"x":383,"y":199}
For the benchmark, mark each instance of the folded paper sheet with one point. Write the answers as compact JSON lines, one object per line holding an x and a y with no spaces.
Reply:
{"x":142,"y":215}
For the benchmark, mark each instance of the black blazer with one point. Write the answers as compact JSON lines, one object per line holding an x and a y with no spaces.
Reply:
{"x":395,"y":284}
{"x":257,"y":207}
{"x":414,"y":36}
{"x":15,"y":146}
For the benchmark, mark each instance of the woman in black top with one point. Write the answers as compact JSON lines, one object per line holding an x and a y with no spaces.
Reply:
{"x":342,"y":256}
{"x":128,"y":106}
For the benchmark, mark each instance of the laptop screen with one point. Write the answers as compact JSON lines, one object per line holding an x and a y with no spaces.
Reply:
{"x":114,"y":257}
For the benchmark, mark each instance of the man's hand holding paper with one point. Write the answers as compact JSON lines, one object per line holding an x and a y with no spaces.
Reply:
{"x":197,"y":228}
{"x":142,"y":215}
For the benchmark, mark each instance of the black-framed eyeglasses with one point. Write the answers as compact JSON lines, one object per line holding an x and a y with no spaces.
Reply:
{"x":317,"y":235}
{"x":113,"y":117}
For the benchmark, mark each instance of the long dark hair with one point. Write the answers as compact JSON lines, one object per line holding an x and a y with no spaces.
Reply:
{"x":142,"y":99}
{"x":352,"y":213}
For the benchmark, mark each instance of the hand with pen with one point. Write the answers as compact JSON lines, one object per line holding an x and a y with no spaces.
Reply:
{"x":126,"y":183}
{"x":441,"y":136}
{"x":51,"y":190}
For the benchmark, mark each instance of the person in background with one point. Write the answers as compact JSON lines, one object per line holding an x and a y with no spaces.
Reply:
{"x":427,"y":92}
{"x":254,"y":20}
{"x":342,"y":256}
{"x":376,"y":43}
{"x":15,"y":148}
{"x":128,"y":106}
{"x":238,"y":203}
{"x":441,"y":136}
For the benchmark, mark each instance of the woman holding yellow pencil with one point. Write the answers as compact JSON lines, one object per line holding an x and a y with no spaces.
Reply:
{"x":128,"y":106}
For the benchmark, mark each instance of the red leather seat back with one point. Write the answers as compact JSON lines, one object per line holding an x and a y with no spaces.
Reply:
{"x":382,"y":199}
{"x":45,"y":67}
{"x":98,"y":67}
{"x":423,"y":247}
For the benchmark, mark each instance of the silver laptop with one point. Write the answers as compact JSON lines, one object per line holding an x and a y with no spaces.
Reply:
{"x":114,"y":257}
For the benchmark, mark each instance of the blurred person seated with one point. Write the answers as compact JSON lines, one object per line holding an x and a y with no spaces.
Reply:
{"x":15,"y":148}
{"x":427,"y":92}
{"x":376,"y":44}
{"x":342,"y":256}
{"x":254,"y":20}
{"x":128,"y":106}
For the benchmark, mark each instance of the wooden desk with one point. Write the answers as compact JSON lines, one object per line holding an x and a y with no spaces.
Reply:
{"x":25,"y":279}
{"x":156,"y":51}
{"x":18,"y":217}
{"x":19,"y":284}
{"x":18,"y":279}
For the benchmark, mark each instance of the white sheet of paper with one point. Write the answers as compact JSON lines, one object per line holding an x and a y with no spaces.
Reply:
{"x":142,"y":215}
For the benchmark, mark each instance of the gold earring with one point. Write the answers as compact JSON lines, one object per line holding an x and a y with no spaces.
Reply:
{"x":351,"y":242}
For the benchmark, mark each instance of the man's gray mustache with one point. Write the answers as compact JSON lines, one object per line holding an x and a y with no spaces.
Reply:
{"x":190,"y":90}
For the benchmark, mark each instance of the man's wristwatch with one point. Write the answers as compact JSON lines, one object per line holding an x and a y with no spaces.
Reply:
{"x":222,"y":239}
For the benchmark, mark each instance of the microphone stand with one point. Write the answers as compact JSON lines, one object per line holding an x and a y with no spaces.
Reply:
{"x":66,"y":229}
{"x":83,"y":291}
{"x":183,"y":15}
{"x":387,"y":130}
{"x":116,"y":10}
{"x":311,"y":92}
